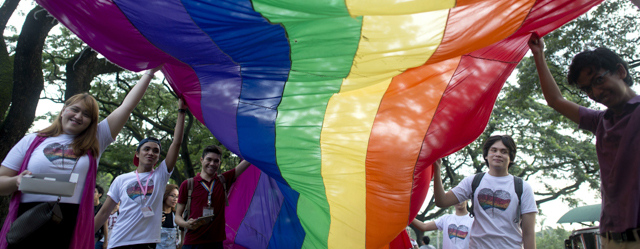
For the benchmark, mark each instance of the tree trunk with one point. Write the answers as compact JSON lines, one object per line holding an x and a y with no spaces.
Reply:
{"x":82,"y":69}
{"x":80,"y":72}
{"x":6,"y":65}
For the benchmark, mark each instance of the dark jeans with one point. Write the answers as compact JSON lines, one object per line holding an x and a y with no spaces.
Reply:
{"x":214,"y":245}
{"x":51,"y":235}
{"x":138,"y":246}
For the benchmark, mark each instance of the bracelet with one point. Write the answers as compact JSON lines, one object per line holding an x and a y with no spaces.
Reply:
{"x":182,"y":110}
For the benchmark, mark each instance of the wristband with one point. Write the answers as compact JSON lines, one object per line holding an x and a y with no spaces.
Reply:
{"x":149,"y":74}
{"x":182,"y":110}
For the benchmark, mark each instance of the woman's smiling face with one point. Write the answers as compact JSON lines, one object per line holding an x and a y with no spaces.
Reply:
{"x":75,"y":119}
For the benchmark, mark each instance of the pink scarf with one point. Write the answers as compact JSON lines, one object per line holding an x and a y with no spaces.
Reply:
{"x":83,"y":234}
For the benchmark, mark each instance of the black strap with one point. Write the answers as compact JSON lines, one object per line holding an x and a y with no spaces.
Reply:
{"x":474,"y":186}
{"x":517,"y":184}
{"x":187,"y":209}
{"x":224,"y":185}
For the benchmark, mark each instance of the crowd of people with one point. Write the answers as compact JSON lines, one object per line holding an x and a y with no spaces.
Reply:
{"x":142,"y":211}
{"x":139,"y":210}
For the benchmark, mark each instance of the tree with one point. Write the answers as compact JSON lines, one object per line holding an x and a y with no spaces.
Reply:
{"x":154,"y":116}
{"x":550,"y":238}
{"x":550,"y":147}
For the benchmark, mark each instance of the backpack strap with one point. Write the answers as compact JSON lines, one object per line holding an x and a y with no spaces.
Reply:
{"x":224,"y":185}
{"x":474,"y":185}
{"x":518,"y":185}
{"x":187,"y":209}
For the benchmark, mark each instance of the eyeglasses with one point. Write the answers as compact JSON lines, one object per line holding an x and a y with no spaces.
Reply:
{"x":173,"y":196}
{"x":596,"y":81}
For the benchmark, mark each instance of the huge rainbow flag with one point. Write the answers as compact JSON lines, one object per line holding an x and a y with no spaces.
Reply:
{"x":342,"y":104}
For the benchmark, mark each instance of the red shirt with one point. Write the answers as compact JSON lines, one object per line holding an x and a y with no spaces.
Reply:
{"x":214,"y":231}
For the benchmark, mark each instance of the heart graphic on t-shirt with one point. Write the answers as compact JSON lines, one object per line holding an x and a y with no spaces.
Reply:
{"x":494,"y":202}
{"x":134,"y":191}
{"x":55,"y":152}
{"x":457,"y":233}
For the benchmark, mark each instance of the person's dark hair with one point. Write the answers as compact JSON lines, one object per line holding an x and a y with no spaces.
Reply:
{"x":146,"y":140}
{"x":167,"y":192}
{"x":212,"y":149}
{"x":100,"y":189}
{"x":426,"y":240}
{"x":599,"y":58}
{"x":507,"y":141}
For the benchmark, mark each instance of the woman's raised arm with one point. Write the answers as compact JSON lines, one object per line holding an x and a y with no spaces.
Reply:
{"x":120,"y":115}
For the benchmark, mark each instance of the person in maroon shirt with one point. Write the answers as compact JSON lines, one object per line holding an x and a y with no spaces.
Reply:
{"x":604,"y":77}
{"x":207,"y":198}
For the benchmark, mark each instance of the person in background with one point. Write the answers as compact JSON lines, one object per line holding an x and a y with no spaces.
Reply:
{"x":169,"y":235}
{"x":207,"y":199}
{"x":455,"y":226}
{"x":414,"y":244}
{"x":426,"y":240}
{"x":113,"y":217}
{"x":96,"y":206}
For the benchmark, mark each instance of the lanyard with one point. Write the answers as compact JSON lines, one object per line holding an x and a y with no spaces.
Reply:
{"x":145,"y":188}
{"x":209,"y":191}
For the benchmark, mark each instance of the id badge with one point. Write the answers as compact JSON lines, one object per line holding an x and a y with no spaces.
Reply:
{"x":73,"y":178}
{"x":207,"y":211}
{"x":146,"y":212}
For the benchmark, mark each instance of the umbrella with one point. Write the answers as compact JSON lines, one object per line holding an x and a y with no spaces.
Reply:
{"x":582,"y":214}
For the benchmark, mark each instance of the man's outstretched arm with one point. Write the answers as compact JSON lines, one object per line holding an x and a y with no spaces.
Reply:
{"x":550,"y":89}
{"x":424,"y":226}
{"x":242,"y":166}
{"x":443,"y":199}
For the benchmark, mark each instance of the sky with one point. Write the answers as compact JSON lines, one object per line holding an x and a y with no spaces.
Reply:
{"x":551,"y":211}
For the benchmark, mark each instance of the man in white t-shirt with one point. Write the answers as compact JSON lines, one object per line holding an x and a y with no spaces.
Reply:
{"x":141,"y":192}
{"x":498,"y":224}
{"x":456,"y":227}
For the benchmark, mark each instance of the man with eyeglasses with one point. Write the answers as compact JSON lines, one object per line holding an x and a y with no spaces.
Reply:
{"x":604,"y":77}
{"x":504,"y":208}
{"x":208,"y":199}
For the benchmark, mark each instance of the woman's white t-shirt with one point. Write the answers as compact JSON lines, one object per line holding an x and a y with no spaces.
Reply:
{"x":55,"y":156}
